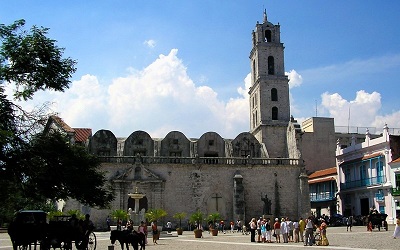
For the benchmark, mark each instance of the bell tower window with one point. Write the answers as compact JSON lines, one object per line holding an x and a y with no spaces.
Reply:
{"x":274,"y":95}
{"x":268,"y":36}
{"x":254,"y":71}
{"x":271,"y":67}
{"x":274,"y":113}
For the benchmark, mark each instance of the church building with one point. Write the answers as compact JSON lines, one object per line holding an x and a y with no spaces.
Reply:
{"x":260,"y":172}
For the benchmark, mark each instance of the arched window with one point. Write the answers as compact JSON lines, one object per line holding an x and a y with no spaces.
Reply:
{"x":274,"y":94}
{"x":268,"y":36}
{"x":271,"y":67}
{"x":274,"y":113}
{"x":254,"y":71}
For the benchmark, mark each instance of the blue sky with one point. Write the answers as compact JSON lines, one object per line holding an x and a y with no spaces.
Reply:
{"x":160,"y":66}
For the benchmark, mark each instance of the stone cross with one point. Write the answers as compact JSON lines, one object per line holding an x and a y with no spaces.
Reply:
{"x":216,"y":197}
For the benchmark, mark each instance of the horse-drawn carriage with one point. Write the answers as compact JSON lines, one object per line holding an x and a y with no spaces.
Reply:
{"x":378,"y":220}
{"x":30,"y":229}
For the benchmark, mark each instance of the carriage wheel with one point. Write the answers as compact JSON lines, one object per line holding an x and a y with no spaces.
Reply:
{"x":92,"y":241}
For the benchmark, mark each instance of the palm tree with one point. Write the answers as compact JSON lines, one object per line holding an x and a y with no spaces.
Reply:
{"x":155,"y":214}
{"x":197,"y":218}
{"x":180,"y":217}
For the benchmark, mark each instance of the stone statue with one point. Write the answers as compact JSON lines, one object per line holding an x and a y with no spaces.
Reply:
{"x":267,"y":205}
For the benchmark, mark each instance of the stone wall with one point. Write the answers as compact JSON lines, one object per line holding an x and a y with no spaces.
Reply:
{"x":191,"y":187}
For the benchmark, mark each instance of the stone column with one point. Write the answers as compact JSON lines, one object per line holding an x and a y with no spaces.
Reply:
{"x":238,"y":198}
{"x":304,"y":205}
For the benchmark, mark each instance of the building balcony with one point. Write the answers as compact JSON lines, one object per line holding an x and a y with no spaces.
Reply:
{"x":330,"y":196}
{"x":380,"y":197}
{"x":363,"y":183}
{"x":396,"y":191}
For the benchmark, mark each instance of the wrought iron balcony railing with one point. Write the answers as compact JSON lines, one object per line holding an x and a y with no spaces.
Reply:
{"x":363,"y":183}
{"x":316,"y":197}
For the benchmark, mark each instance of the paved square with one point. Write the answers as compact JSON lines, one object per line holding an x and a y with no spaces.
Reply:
{"x":338,"y":238}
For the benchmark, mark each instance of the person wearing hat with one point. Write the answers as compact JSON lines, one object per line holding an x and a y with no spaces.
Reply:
{"x":277,"y":230}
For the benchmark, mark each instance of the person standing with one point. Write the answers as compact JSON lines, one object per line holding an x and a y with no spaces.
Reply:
{"x":284,"y":230}
{"x":253,"y":228}
{"x":309,"y":235}
{"x":396,"y":233}
{"x":108,"y":221}
{"x":259,"y":230}
{"x":169,"y":226}
{"x":349,"y":222}
{"x":268,"y":230}
{"x":324,"y":240}
{"x":296,"y":231}
{"x":277,"y":230}
{"x":155,"y":232}
{"x":302,"y":227}
{"x":143,"y":230}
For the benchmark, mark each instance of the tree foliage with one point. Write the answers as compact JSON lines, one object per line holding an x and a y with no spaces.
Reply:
{"x":36,"y":167}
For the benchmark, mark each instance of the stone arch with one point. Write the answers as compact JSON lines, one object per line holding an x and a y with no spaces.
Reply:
{"x":268,"y":36}
{"x":103,"y":143}
{"x":139,"y":142}
{"x":245,"y":145}
{"x":211,"y":144}
{"x":143,"y":204}
{"x":274,"y":94}
{"x":175,"y":144}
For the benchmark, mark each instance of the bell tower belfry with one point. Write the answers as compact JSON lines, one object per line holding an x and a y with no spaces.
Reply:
{"x":269,"y":91}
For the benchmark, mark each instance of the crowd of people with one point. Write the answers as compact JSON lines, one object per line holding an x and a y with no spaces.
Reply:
{"x":285,"y":230}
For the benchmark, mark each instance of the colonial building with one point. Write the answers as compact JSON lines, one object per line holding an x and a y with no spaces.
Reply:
{"x":395,"y":166}
{"x":323,"y":189}
{"x":365,"y":178}
{"x":260,"y":172}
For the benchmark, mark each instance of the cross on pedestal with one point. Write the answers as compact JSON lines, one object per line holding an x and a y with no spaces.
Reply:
{"x":216,"y":197}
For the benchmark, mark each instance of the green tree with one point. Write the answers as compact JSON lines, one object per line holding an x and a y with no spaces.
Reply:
{"x":155,"y":214}
{"x":34,"y":167}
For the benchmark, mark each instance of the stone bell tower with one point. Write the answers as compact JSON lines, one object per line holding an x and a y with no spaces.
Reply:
{"x":269,"y":91}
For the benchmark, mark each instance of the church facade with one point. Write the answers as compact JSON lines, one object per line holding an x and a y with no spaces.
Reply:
{"x":260,"y":172}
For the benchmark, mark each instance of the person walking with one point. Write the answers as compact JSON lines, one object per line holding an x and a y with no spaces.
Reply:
{"x":396,"y":233}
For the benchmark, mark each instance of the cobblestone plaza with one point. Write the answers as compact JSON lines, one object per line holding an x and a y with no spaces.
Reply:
{"x":338,"y":237}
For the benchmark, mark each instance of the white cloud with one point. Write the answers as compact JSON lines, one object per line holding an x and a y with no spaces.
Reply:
{"x":295,"y":79}
{"x":358,"y":112}
{"x":150,"y":43}
{"x":158,"y":99}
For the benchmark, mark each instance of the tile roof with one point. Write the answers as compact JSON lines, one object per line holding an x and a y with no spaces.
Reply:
{"x":323,"y":172}
{"x":62,"y":124}
{"x":396,"y":160}
{"x":82,"y":134}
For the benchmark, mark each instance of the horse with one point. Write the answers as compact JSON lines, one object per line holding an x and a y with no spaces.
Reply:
{"x":128,"y":237}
